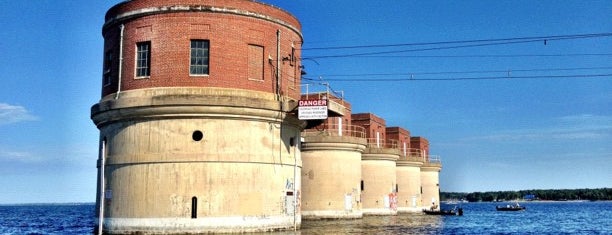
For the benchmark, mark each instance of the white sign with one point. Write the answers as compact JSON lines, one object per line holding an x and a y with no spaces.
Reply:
{"x":312,"y":109}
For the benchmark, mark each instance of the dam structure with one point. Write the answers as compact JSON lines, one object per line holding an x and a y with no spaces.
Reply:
{"x":387,"y":162}
{"x":331,"y":169}
{"x":430,"y":172}
{"x":408,"y":172}
{"x":197,"y":126}
{"x":201,"y":129}
{"x":378,"y":167}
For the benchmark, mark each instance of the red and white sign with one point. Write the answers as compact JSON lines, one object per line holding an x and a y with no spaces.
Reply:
{"x":312,"y":109}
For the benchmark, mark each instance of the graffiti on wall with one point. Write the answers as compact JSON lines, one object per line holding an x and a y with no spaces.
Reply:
{"x":392,"y":197}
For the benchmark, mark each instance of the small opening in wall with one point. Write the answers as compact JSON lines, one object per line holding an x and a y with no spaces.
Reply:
{"x":194,"y":207}
{"x":362,"y":186}
{"x":197,"y":135}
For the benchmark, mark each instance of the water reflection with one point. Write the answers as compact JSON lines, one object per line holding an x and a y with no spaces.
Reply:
{"x":414,"y":223}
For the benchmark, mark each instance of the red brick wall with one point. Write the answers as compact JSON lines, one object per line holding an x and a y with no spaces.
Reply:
{"x":401,"y":135}
{"x":229,"y":34}
{"x":420,"y":143}
{"x":371,"y":123}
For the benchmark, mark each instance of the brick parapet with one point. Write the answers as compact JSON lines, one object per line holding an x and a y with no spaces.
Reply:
{"x":128,"y":9}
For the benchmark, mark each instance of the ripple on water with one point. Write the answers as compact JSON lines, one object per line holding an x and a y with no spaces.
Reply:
{"x":479,"y":218}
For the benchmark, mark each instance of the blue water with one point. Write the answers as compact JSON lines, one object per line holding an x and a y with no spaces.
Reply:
{"x":482,"y":218}
{"x":478,"y":218}
{"x":47,"y":219}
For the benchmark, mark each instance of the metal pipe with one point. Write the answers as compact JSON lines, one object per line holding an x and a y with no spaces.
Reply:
{"x":278,"y":60}
{"x":120,"y":60}
{"x":102,"y":158}
{"x":295,"y":192}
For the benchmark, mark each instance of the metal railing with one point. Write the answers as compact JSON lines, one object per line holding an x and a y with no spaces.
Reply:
{"x":413,"y":154}
{"x":434,"y":159}
{"x":382,"y":143}
{"x":327,"y":93}
{"x":335,"y":130}
{"x":418,"y":155}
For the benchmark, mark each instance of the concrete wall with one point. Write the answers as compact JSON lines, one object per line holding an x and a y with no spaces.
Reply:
{"x":409,"y":185}
{"x":430,"y":182}
{"x":331,"y":176}
{"x":379,"y":181}
{"x":243,"y":171}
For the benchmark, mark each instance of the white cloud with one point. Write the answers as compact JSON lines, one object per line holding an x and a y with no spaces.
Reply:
{"x":588,"y":120}
{"x":13,"y":114}
{"x":62,"y":154}
{"x":19,"y":156}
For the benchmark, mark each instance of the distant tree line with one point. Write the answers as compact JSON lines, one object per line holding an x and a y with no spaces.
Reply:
{"x":534,"y":194}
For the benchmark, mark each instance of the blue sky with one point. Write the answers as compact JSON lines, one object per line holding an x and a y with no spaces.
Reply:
{"x":553,"y":131}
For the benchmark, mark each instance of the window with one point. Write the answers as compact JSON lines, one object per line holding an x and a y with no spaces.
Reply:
{"x":199,"y":57}
{"x":108,"y":61}
{"x":256,"y":62}
{"x":143,"y":59}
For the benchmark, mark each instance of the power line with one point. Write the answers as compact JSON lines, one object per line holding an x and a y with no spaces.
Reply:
{"x":469,"y":78}
{"x":538,"y":38}
{"x":413,"y":50}
{"x":488,"y":56}
{"x":485,"y":42}
{"x":466,"y":72}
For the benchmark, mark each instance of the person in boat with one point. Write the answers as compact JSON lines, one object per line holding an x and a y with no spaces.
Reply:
{"x":433,"y":206}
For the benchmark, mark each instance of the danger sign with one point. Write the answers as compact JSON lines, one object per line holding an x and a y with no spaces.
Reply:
{"x":312,"y":109}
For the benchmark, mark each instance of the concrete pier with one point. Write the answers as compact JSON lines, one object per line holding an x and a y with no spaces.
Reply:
{"x":331,"y":176}
{"x":180,"y":161}
{"x":409,"y":184}
{"x":379,"y":181}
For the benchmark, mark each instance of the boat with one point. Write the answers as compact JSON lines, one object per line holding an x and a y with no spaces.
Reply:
{"x":454,"y":211}
{"x":515,"y":207}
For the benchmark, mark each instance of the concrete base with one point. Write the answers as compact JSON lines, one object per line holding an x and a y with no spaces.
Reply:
{"x":200,"y":225}
{"x":410,"y":209}
{"x":328,"y":214}
{"x":379,"y":211}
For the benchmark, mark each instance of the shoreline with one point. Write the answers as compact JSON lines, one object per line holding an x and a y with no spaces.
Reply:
{"x":526,"y":201}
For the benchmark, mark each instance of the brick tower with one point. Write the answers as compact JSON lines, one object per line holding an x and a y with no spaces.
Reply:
{"x":196,"y":133}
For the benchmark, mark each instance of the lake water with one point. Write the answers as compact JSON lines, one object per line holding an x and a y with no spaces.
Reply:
{"x":478,"y":218}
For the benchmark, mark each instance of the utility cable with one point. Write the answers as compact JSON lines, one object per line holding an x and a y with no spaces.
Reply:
{"x":466,"y":72}
{"x":470,"y":78}
{"x":492,"y":42}
{"x":487,"y":56}
{"x":537,"y":38}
